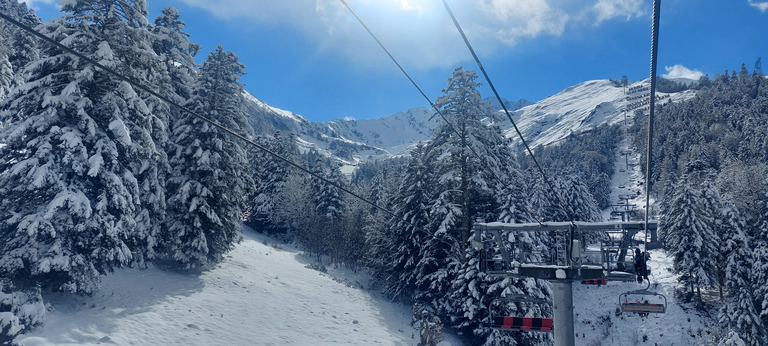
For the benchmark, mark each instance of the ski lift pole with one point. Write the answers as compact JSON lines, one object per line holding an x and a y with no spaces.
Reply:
{"x":562,"y":299}
{"x":652,"y":106}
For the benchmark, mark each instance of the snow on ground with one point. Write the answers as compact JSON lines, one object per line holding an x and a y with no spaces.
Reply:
{"x":598,"y":319}
{"x":259,"y":295}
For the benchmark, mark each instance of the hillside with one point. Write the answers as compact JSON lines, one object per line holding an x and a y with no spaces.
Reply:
{"x":583,"y":107}
{"x":574,"y":110}
{"x":262,"y":293}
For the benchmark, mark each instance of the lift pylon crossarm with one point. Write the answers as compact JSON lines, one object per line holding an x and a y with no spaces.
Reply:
{"x":515,"y":298}
{"x":565,"y":226}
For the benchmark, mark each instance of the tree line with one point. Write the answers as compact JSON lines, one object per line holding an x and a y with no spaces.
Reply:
{"x":709,"y":167}
{"x":98,"y":175}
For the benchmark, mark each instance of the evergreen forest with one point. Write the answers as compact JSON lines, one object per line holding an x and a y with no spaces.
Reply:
{"x":98,"y":175}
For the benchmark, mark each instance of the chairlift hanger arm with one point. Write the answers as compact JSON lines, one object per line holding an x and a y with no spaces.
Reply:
{"x":565,"y":226}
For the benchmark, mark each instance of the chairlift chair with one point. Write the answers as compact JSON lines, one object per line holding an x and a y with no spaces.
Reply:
{"x":496,"y":266}
{"x":643,"y":302}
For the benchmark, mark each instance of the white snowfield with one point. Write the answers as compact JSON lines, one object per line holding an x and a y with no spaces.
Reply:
{"x":259,"y":295}
{"x":595,"y":313}
{"x":583,"y":107}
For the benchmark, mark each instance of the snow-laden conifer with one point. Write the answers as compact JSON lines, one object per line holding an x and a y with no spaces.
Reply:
{"x":688,"y":235}
{"x":207,"y":185}
{"x":408,"y":230}
{"x":271,"y":176}
{"x":739,"y":312}
{"x":760,"y":262}
{"x":78,"y":141}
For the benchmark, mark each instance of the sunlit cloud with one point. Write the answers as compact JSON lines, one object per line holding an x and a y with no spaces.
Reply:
{"x":679,"y":71}
{"x":760,"y":5}
{"x":520,"y":19}
{"x":418,"y":32}
{"x":609,"y":9}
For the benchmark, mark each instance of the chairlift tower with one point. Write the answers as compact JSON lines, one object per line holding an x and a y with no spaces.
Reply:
{"x":560,"y":275}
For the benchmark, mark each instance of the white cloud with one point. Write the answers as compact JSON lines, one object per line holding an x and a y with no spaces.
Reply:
{"x":609,"y":9}
{"x":519,"y":19}
{"x":760,"y":5}
{"x":419,"y":33}
{"x":680,"y":71}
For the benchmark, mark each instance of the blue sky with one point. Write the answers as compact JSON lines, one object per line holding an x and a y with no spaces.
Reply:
{"x":311,"y":56}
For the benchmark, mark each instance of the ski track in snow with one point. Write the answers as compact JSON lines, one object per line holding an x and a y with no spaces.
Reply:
{"x":598,"y":320}
{"x":258,"y":295}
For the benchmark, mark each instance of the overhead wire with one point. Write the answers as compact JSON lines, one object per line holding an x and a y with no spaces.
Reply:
{"x":187,"y":110}
{"x":506,"y":111}
{"x":651,"y":108}
{"x":408,"y":76}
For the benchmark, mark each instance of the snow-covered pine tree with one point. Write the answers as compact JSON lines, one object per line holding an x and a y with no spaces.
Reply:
{"x":17,"y":47}
{"x":453,"y":189}
{"x":398,"y":255}
{"x":475,"y":180}
{"x":6,"y":74}
{"x":383,"y":188}
{"x":328,"y":208}
{"x":292,"y":207}
{"x":538,"y":197}
{"x":575,"y":196}
{"x":208,"y":182}
{"x":25,"y":47}
{"x":170,"y":73}
{"x":22,"y":46}
{"x":78,"y":141}
{"x":738,"y":313}
{"x":688,"y":235}
{"x":760,"y":263}
{"x":271,"y":177}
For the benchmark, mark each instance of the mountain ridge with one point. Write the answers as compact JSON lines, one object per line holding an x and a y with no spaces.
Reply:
{"x":576,"y":109}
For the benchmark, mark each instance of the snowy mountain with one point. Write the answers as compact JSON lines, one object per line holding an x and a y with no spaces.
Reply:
{"x":576,"y":109}
{"x":353,"y":141}
{"x":583,"y":107}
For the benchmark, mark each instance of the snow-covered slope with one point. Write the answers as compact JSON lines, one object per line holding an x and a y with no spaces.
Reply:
{"x":583,"y":107}
{"x":574,"y":110}
{"x":353,"y":141}
{"x":598,"y":320}
{"x":260,"y":295}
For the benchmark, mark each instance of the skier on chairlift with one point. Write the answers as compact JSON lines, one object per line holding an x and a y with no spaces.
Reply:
{"x":640,"y":265}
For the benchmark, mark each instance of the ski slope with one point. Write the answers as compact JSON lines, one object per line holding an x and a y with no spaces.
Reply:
{"x":259,"y":295}
{"x":598,"y":320}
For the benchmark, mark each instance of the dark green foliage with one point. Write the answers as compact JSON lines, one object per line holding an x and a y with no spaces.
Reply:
{"x":208,"y":184}
{"x":589,"y":155}
{"x":717,"y":143}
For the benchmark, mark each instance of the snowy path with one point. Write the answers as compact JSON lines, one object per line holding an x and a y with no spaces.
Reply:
{"x":598,"y":323}
{"x":258,"y":296}
{"x":598,"y":320}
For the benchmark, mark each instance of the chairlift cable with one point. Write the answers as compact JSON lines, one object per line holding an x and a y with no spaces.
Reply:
{"x":654,"y":60}
{"x":432,"y":104}
{"x":170,"y":102}
{"x":506,"y":111}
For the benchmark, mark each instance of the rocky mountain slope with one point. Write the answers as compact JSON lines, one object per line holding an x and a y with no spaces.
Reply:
{"x":576,"y":109}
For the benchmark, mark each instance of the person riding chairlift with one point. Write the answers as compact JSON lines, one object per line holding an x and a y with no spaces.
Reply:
{"x":640,"y":266}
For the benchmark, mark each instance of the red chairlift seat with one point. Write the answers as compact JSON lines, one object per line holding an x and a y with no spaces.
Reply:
{"x":643,"y":302}
{"x":642,"y":307}
{"x":594,"y":282}
{"x":532,"y":324}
